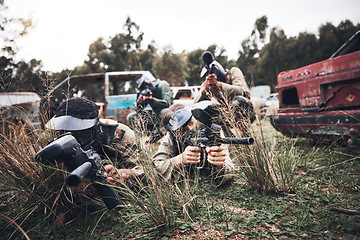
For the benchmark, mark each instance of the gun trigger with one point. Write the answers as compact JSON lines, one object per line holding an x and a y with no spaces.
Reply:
{"x":100,"y":174}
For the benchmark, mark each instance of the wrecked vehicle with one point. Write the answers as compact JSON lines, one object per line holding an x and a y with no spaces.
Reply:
{"x":185,"y":95}
{"x":322,"y":100}
{"x":272,"y":104}
{"x":113,"y":92}
{"x":21,"y":107}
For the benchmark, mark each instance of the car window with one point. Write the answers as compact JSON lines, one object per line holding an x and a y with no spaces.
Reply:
{"x":183,"y":94}
{"x":121,"y":87}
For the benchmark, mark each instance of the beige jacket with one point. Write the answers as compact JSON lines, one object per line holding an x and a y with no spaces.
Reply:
{"x":238,"y":79}
{"x":237,"y":88}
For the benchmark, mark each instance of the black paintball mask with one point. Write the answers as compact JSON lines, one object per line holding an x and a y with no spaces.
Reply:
{"x":207,"y":112}
{"x":212,"y":66}
{"x":80,"y":117}
{"x":86,"y":131}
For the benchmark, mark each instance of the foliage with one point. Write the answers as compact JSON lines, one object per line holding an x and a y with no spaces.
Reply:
{"x":16,"y":76}
{"x":27,"y":189}
{"x":120,"y":53}
{"x":148,"y":57}
{"x":171,"y":67}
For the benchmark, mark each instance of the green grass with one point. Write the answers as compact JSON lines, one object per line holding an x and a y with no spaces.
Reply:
{"x":316,"y":197}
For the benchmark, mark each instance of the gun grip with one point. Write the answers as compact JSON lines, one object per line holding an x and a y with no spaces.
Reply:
{"x":108,"y":195}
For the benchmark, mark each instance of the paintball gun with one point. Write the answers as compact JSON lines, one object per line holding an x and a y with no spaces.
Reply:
{"x":145,"y":92}
{"x":209,"y":135}
{"x":80,"y":163}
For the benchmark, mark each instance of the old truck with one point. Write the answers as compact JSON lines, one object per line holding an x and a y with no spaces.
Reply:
{"x":113,"y":92}
{"x":322,"y":100}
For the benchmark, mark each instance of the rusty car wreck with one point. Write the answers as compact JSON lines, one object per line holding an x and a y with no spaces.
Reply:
{"x":322,"y":100}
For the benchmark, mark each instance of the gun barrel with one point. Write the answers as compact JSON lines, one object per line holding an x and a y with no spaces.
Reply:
{"x":75,"y":177}
{"x":244,"y":141}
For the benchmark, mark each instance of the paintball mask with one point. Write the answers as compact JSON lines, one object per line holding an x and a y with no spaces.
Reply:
{"x":145,"y":82}
{"x":86,"y":131}
{"x":178,"y":119}
{"x":206,"y":112}
{"x":212,"y":66}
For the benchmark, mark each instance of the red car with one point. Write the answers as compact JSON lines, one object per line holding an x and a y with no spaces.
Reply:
{"x":322,"y":100}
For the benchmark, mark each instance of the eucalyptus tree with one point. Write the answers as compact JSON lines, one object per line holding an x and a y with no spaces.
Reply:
{"x":250,"y":47}
{"x":124,"y":47}
{"x":119,"y":53}
{"x":171,"y":67}
{"x":194,"y":60}
{"x":11,"y":30}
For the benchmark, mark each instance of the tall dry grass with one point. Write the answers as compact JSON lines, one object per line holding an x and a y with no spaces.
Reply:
{"x":30,"y":190}
{"x":271,"y":163}
{"x":26,"y":188}
{"x":161,"y":203}
{"x":33,"y":195}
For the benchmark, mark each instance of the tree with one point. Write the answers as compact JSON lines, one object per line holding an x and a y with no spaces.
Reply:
{"x":99,"y":59}
{"x":327,"y":40}
{"x":331,"y":38}
{"x":194,"y":60}
{"x":17,"y":76}
{"x":261,"y":25}
{"x":120,"y":53}
{"x":125,"y":46}
{"x":148,"y":57}
{"x":248,"y":54}
{"x":247,"y":59}
{"x":29,"y":76}
{"x":272,"y":58}
{"x":171,"y":67}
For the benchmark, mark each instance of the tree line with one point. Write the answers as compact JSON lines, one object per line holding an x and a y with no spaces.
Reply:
{"x":262,"y":55}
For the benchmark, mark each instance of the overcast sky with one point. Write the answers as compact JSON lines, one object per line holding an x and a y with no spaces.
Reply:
{"x":64,"y":29}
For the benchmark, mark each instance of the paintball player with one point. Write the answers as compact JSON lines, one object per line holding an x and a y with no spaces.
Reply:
{"x":174,"y":151}
{"x":107,"y":137}
{"x":158,"y":95}
{"x":218,"y":82}
{"x":226,"y":87}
